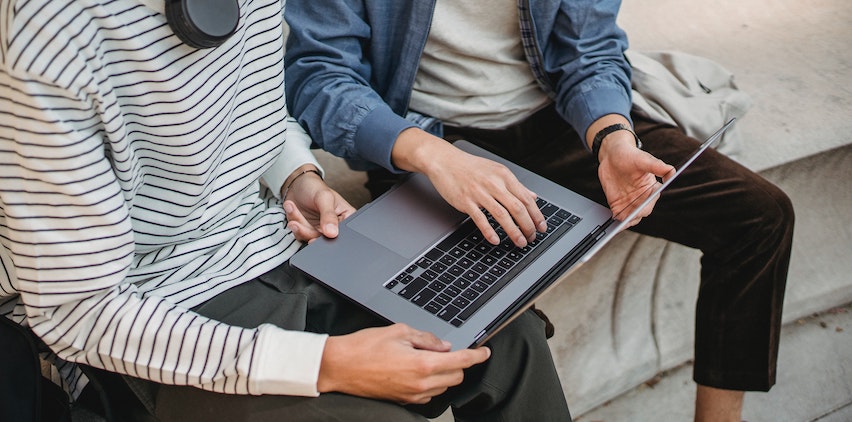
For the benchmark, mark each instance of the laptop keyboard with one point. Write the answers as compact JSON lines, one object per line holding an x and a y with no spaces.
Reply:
{"x":462,"y":272}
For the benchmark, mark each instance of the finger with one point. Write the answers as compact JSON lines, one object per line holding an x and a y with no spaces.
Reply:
{"x":460,"y":359}
{"x":657,"y":167}
{"x":481,"y":222}
{"x":504,"y":218}
{"x":303,"y":232}
{"x":424,"y":340}
{"x":327,"y":213}
{"x":343,"y":208}
{"x":525,"y":212}
{"x":475,"y":356}
{"x":298,"y":224}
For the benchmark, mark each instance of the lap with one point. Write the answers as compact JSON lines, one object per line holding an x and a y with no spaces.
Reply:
{"x":177,"y":403}
{"x":287,"y":298}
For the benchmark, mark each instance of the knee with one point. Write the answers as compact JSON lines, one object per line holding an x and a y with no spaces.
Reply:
{"x":525,"y":336}
{"x":779,"y":214}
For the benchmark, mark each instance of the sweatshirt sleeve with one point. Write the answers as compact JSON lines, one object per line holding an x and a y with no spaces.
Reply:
{"x":295,"y":153}
{"x":65,"y":226}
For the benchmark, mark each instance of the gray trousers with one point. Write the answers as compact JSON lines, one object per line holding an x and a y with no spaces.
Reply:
{"x":518,"y":383}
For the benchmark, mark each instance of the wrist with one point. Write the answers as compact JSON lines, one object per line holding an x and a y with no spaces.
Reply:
{"x":415,"y":150}
{"x":326,"y":378}
{"x":300,"y":172}
{"x":619,"y":131}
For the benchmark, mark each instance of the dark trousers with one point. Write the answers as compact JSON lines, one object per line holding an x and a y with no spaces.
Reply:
{"x":742,"y":223}
{"x":517,"y":383}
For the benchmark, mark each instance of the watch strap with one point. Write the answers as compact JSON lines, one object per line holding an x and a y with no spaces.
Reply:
{"x":599,"y":137}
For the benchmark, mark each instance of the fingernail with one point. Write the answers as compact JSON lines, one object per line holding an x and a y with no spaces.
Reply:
{"x":542,"y":227}
{"x":288,"y":207}
{"x":330,"y":229}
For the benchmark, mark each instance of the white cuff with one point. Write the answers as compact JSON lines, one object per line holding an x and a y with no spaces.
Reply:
{"x":286,"y":362}
{"x":296,"y":152}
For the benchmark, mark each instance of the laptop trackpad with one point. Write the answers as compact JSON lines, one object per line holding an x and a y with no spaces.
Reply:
{"x":403,"y":222}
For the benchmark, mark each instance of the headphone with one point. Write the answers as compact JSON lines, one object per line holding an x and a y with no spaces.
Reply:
{"x":203,"y":23}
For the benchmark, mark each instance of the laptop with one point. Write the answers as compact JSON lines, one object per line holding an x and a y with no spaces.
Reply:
{"x":410,"y":257}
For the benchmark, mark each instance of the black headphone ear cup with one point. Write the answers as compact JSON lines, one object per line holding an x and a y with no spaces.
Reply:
{"x":203,"y":23}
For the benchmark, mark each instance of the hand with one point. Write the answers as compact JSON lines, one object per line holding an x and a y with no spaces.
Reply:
{"x":471,"y":184}
{"x":395,"y":363}
{"x":628,"y":175}
{"x":313,"y":209}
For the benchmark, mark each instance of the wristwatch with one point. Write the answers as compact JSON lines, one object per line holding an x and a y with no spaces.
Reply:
{"x":599,"y":137}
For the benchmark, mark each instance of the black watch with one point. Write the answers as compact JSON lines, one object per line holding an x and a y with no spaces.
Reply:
{"x":599,"y":137}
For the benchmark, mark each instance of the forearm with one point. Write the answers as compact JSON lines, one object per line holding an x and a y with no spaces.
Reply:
{"x":152,"y":339}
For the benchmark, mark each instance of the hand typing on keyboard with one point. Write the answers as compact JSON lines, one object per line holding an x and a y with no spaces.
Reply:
{"x":471,"y":184}
{"x":462,"y":272}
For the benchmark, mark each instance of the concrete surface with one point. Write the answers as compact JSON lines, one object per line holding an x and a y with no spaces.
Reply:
{"x":814,"y":381}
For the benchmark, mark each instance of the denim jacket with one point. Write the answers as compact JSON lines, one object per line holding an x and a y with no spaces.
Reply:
{"x":350,"y":66}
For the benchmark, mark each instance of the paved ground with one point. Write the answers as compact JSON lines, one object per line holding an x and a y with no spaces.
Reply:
{"x":814,"y":381}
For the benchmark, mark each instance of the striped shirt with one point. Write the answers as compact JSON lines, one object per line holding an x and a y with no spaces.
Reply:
{"x":139,"y":177}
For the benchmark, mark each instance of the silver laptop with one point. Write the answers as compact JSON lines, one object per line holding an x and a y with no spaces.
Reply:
{"x":410,"y":257}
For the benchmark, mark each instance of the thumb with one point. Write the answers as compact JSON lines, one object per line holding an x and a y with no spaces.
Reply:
{"x":658,"y":167}
{"x":327,"y":213}
{"x":427,"y":341}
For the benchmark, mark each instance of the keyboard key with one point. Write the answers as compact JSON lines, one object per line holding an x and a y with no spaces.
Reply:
{"x":451,"y":290}
{"x":437,"y":286}
{"x":448,"y":313}
{"x":423,"y":262}
{"x":422,"y":298}
{"x":470,"y":294}
{"x":461,"y":302}
{"x":433,"y":307}
{"x":443,"y":299}
{"x":448,"y":260}
{"x":479,"y":286}
{"x":549,"y":209}
{"x":410,"y":290}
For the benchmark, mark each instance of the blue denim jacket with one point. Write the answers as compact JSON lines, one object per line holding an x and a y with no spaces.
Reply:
{"x":350,"y":66}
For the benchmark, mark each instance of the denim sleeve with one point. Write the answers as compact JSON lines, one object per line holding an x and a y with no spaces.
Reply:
{"x":328,"y":82}
{"x":584,"y":58}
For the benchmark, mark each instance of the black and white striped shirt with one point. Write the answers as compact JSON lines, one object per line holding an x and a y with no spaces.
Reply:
{"x":132,"y":174}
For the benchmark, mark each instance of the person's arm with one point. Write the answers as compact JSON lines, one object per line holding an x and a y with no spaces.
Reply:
{"x":313,"y":209}
{"x":328,"y":82}
{"x":585,"y":60}
{"x":328,"y":87}
{"x":471,"y":184}
{"x":593,"y":91}
{"x":69,"y":237}
{"x":627,"y":173}
{"x":396,"y":363}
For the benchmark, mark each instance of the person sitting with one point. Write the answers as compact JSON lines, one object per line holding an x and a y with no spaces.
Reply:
{"x":545,"y":84}
{"x":153,"y":191}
